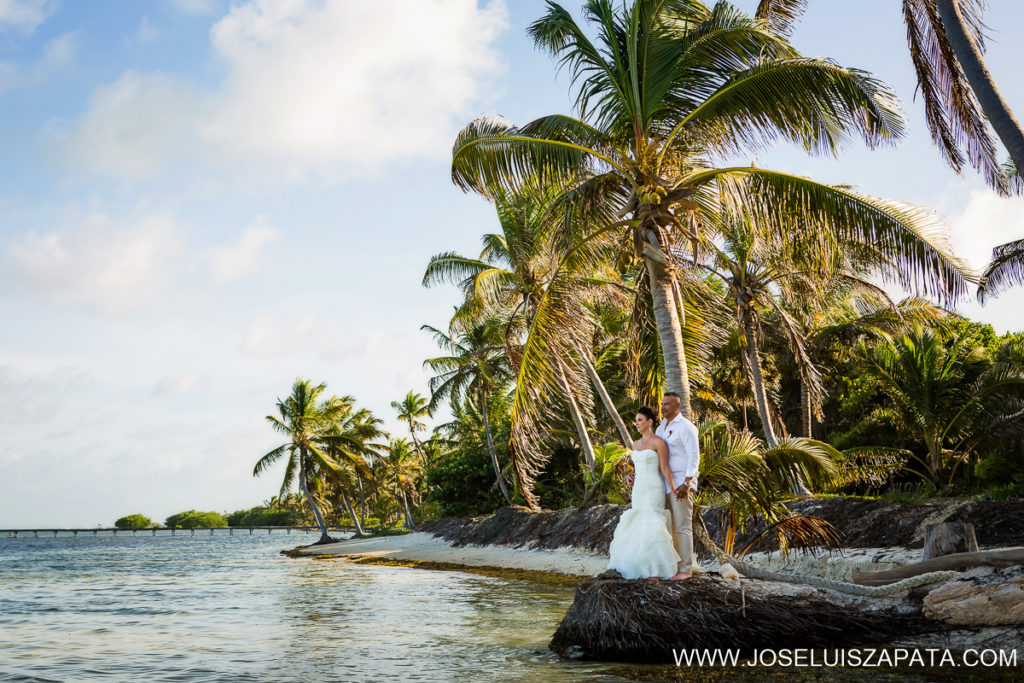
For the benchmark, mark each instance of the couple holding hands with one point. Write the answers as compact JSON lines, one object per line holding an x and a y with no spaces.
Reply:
{"x":654,"y":538}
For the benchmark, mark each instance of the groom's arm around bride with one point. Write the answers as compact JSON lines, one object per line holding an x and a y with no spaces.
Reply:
{"x":684,"y":461}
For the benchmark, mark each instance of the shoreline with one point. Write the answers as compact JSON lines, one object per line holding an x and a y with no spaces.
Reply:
{"x":424,"y":550}
{"x":569,"y":565}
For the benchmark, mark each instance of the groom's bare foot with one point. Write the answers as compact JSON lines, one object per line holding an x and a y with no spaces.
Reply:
{"x":681,"y":576}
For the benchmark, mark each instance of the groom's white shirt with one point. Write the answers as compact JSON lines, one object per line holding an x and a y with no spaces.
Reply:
{"x":683,"y":449}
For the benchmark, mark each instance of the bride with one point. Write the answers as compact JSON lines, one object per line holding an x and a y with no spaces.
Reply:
{"x":642,"y":544}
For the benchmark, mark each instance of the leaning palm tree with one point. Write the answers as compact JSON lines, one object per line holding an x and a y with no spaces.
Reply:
{"x":402,"y":473}
{"x":352,"y":441}
{"x":666,"y":87}
{"x":509,"y":280}
{"x":306,"y":421}
{"x":947,"y":46}
{"x":474,"y":367}
{"x":410,"y":409}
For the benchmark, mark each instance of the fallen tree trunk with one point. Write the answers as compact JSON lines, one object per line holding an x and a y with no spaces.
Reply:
{"x":616,"y":619}
{"x":954,"y":562}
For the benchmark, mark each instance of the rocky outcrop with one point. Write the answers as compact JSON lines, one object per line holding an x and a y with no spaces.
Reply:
{"x":616,"y":619}
{"x":980,"y":597}
{"x":612,"y":618}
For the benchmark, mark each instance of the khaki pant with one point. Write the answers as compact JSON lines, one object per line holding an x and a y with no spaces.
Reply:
{"x":681,"y":527}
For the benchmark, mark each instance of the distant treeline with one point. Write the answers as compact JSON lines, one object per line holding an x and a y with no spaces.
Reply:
{"x":260,"y":515}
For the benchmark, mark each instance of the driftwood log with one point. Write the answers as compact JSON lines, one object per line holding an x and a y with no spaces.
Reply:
{"x":616,"y":619}
{"x":955,"y":562}
{"x":948,"y":538}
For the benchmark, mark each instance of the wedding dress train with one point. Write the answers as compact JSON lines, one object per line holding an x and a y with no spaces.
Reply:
{"x":642,"y":544}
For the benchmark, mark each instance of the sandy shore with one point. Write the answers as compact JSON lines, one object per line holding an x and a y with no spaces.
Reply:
{"x":424,"y":547}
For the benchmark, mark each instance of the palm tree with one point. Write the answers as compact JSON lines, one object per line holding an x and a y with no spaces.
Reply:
{"x":474,"y":368}
{"x":946,"y":44}
{"x":767,"y":277}
{"x":666,"y":87}
{"x":402,"y":472}
{"x":351,"y":442}
{"x":410,"y":409}
{"x":951,"y":396}
{"x":849,"y":311}
{"x":1005,"y":270}
{"x":307,"y":422}
{"x":510,"y":278}
{"x":751,"y":482}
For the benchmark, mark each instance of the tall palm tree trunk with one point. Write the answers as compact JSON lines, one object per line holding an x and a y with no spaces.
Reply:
{"x":416,"y":444}
{"x":409,"y":524}
{"x":753,"y":355}
{"x":362,"y":501}
{"x":352,"y":513}
{"x":998,"y":112}
{"x":494,"y":452}
{"x":324,"y":537}
{"x":666,"y":315}
{"x":609,"y":405}
{"x":806,"y":412}
{"x":577,"y":418}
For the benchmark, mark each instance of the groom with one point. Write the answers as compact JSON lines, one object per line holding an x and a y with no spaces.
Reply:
{"x":683,"y":459}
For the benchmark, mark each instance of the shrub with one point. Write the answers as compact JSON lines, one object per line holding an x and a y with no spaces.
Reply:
{"x":461,"y":482}
{"x":261,"y":516}
{"x":134,"y":522}
{"x":193,"y":519}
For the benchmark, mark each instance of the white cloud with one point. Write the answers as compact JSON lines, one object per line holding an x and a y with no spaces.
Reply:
{"x":57,"y":54}
{"x":180,"y":385}
{"x":985,"y":221}
{"x":25,"y":15}
{"x":129,"y":264}
{"x":36,"y":398}
{"x":242,"y":257}
{"x":144,"y":34}
{"x":113,"y":268}
{"x":135,"y":125}
{"x":195,"y":6}
{"x":310,"y":334}
{"x":337,"y":88}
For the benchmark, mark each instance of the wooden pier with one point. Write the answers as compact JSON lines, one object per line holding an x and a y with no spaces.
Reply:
{"x":111,"y":531}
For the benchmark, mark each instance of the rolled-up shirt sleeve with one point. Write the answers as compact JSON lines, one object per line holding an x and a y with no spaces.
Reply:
{"x":691,"y":448}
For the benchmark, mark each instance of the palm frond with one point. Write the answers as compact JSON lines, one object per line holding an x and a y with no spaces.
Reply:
{"x":813,"y":102}
{"x":1006,"y":270}
{"x":780,"y":15}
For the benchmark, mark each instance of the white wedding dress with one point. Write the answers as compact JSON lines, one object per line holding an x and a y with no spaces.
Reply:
{"x":642,"y":544}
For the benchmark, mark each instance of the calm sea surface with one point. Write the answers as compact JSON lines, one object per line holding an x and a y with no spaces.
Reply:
{"x":214,"y":608}
{"x":231,"y":608}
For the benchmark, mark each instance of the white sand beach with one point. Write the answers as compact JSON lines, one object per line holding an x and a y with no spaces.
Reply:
{"x":424,"y":547}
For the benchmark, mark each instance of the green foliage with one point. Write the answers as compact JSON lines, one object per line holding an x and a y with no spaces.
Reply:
{"x":192,"y":519}
{"x":607,"y":458}
{"x":263,"y":516}
{"x":461,"y":483}
{"x":134,"y":522}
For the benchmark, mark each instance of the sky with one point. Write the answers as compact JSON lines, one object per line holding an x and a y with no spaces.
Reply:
{"x":203,"y":200}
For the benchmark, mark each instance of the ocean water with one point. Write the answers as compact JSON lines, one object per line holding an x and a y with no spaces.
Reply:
{"x":220,"y":608}
{"x":231,"y":608}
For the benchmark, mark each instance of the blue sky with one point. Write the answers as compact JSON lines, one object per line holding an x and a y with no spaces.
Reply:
{"x":202,"y":200}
